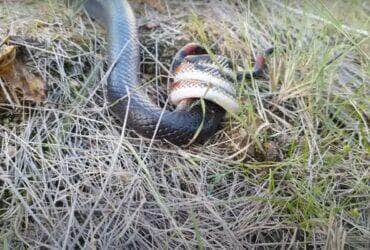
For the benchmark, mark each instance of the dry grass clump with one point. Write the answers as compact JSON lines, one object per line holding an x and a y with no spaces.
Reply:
{"x":290,"y":171}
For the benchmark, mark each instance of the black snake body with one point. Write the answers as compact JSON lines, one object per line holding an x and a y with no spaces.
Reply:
{"x":129,"y":103}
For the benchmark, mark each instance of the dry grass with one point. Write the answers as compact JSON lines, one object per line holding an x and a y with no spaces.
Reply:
{"x":290,"y":171}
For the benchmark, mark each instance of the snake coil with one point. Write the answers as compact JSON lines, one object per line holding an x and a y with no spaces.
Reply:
{"x":129,"y":103}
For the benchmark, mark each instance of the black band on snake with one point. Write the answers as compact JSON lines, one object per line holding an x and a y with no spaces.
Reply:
{"x":194,"y":70}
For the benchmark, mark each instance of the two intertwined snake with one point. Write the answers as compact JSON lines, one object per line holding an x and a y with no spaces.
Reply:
{"x":196,"y":75}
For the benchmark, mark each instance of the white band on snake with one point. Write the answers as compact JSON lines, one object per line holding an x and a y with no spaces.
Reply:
{"x":207,"y":78}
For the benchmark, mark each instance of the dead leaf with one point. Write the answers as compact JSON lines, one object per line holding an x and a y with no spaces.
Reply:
{"x":7,"y":58}
{"x":18,"y":83}
{"x":35,"y":89}
{"x":8,"y":73}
